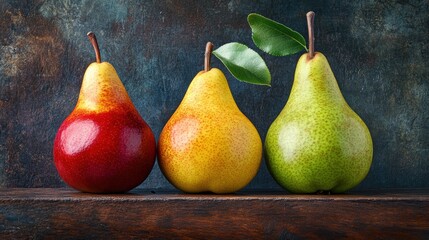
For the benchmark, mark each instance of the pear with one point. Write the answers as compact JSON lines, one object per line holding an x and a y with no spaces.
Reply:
{"x":104,"y":145}
{"x":317,"y":143}
{"x":208,"y":144}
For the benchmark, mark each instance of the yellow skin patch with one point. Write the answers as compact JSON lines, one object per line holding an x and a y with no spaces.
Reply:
{"x":102,"y":90}
{"x":209,"y":144}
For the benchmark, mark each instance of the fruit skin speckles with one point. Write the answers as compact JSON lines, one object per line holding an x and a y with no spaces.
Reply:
{"x":209,"y":144}
{"x":317,"y":143}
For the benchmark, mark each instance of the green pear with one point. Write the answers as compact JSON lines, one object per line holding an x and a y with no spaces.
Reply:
{"x":317,"y":143}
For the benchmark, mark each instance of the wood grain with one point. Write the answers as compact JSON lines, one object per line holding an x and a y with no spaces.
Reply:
{"x":53,"y":213}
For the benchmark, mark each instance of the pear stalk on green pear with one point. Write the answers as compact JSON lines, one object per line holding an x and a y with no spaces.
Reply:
{"x":310,"y":26}
{"x":317,"y":143}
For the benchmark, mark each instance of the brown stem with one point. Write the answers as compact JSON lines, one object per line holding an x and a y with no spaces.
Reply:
{"x":207,"y":56}
{"x":310,"y":25}
{"x":94,"y":43}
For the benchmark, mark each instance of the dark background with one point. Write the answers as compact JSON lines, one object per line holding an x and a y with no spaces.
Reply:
{"x":377,"y":49}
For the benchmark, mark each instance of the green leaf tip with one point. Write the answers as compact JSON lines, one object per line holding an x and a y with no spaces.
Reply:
{"x":275,"y":38}
{"x":244,"y":63}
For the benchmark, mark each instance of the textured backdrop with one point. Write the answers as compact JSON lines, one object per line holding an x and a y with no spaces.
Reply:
{"x":378,"y":51}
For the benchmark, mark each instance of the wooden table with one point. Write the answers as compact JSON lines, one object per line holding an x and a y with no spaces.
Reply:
{"x":51,"y":213}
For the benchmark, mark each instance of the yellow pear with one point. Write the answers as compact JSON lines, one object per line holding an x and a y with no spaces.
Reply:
{"x":208,"y":144}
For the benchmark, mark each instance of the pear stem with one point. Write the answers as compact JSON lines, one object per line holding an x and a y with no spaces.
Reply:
{"x":94,"y":43}
{"x":310,"y":25}
{"x":207,"y":56}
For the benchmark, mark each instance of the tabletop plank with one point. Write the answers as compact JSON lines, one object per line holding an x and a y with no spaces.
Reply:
{"x":65,"y":213}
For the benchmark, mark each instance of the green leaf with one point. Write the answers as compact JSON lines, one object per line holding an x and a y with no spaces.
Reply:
{"x":275,"y":38}
{"x":243,"y":63}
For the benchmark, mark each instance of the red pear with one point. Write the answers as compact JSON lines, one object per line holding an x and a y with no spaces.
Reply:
{"x":104,"y":145}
